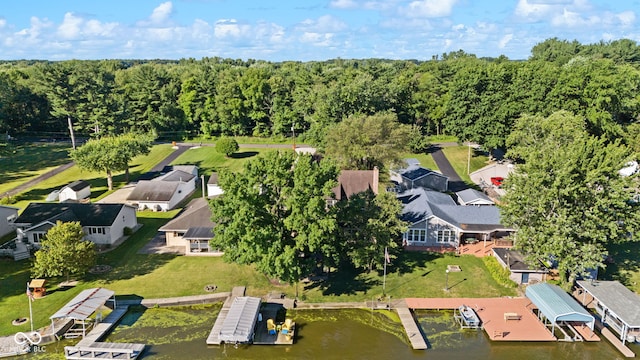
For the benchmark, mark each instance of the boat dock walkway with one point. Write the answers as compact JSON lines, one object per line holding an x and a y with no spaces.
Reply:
{"x":503,"y":319}
{"x":417,"y":339}
{"x":614,"y":340}
{"x":90,"y":347}
{"x":213,"y":338}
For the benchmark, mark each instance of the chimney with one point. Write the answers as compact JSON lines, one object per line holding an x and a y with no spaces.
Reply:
{"x":376,"y":176}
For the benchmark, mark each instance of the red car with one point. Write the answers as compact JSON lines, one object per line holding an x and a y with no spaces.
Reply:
{"x":497,"y":181}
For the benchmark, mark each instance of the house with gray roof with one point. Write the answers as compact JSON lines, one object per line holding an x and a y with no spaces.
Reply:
{"x":164,"y":192}
{"x":520,"y":271}
{"x":103,"y":224}
{"x":192,"y":229}
{"x":213,"y":189}
{"x":438,"y":223}
{"x":473,"y":197}
{"x":414,"y":176}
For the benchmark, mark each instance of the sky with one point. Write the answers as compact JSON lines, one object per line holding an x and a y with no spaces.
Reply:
{"x":303,"y":30}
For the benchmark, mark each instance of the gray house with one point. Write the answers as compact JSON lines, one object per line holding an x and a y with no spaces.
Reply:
{"x":415,"y":176}
{"x":473,"y":197}
{"x":438,"y":223}
{"x":164,"y":192}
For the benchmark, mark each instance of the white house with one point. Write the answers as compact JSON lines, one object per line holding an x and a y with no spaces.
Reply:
{"x":213,"y":189}
{"x":75,"y":191}
{"x":7,"y":215}
{"x":164,"y":192}
{"x":103,"y":224}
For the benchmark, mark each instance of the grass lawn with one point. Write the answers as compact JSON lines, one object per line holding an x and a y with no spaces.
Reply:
{"x":426,"y":160}
{"x":22,"y":162}
{"x":458,"y":156}
{"x":98,"y":180}
{"x":625,"y":266}
{"x":209,"y":160}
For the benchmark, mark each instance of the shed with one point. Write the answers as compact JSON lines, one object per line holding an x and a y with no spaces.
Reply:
{"x":239,"y":325}
{"x":75,"y":191}
{"x":557,"y":306}
{"x":618,"y":306}
{"x":81,"y":307}
{"x":38,"y":288}
{"x":213,"y":189}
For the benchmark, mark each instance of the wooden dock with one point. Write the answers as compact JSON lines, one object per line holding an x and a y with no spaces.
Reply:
{"x":262,"y":336}
{"x":614,"y":340}
{"x":213,"y":338}
{"x":414,"y":334}
{"x":90,"y":347}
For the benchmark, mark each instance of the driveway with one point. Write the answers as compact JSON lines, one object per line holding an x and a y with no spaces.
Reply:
{"x":455,"y":182}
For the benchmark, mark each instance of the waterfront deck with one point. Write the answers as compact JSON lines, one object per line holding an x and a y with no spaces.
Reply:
{"x":503,"y":319}
{"x":262,"y":336}
{"x":90,"y":347}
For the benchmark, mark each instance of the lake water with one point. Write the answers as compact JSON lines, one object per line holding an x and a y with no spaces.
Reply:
{"x":180,"y":333}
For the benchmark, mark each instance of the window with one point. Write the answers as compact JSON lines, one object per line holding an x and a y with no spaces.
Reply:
{"x":416,"y":235}
{"x":446,"y":236}
{"x":37,"y":237}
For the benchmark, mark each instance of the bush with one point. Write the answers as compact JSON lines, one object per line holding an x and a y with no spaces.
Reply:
{"x":227,"y":146}
{"x":127,"y":231}
{"x":499,"y":274}
{"x":8,"y":200}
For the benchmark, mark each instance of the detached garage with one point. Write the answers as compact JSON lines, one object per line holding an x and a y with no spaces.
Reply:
{"x":558,"y":307}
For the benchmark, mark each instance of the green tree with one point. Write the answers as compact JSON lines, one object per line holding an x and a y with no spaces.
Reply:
{"x":368,"y":224}
{"x":274,"y":215}
{"x":363,"y":142}
{"x":567,"y":200}
{"x":227,"y":146}
{"x":111,"y":153}
{"x":64,"y":252}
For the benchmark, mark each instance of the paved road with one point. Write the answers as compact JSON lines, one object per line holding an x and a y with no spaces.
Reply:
{"x":455,"y":182}
{"x":29,"y":184}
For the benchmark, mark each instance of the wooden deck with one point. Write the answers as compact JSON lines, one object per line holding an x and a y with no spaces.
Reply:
{"x":262,"y":336}
{"x":491,"y":311}
{"x":412,"y":329}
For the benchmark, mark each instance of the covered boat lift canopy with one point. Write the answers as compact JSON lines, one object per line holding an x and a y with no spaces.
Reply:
{"x":618,"y":306}
{"x":239,"y":325}
{"x":557,"y":305}
{"x":83,"y":305}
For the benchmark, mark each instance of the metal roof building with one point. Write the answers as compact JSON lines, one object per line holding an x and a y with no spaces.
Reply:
{"x":618,"y":306}
{"x":83,"y":305}
{"x":558,"y":306}
{"x":239,"y":325}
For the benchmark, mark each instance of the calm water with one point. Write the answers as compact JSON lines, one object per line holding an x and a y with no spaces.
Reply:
{"x":180,"y":333}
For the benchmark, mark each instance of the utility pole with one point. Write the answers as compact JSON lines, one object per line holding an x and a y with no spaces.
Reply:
{"x":293,"y":131}
{"x":469,"y":159}
{"x":73,"y":138}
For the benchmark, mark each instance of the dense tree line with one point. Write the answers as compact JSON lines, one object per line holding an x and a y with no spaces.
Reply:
{"x":477,"y":99}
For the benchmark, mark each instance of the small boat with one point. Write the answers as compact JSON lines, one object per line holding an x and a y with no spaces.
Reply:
{"x":468,"y":317}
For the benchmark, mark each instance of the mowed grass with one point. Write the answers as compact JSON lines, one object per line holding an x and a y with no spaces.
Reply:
{"x":22,"y":162}
{"x":98,"y":180}
{"x":426,"y":160}
{"x":458,"y":157}
{"x":209,"y":160}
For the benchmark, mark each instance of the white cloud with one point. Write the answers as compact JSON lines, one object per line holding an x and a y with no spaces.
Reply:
{"x":316,"y":39}
{"x":626,"y":18}
{"x":161,"y":13}
{"x":533,"y":11}
{"x":325,"y":23}
{"x":70,"y":27}
{"x":504,"y":41}
{"x":429,"y":8}
{"x":343,"y":4}
{"x":3,"y":23}
{"x":224,"y":28}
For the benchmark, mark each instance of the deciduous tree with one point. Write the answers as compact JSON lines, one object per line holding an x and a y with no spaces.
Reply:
{"x":64,"y":252}
{"x":567,"y":200}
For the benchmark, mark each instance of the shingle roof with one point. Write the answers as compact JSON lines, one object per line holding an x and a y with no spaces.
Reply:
{"x":514,"y":259}
{"x":175,"y":175}
{"x":472,"y":197}
{"x":196,"y":214}
{"x":94,"y":214}
{"x":352,"y":182}
{"x":77,"y":185}
{"x":419,"y":204}
{"x":191,"y":169}
{"x":198,"y":233}
{"x":150,"y":190}
{"x":213,"y":179}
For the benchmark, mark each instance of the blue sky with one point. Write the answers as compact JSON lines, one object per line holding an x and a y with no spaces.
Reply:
{"x":303,"y":30}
